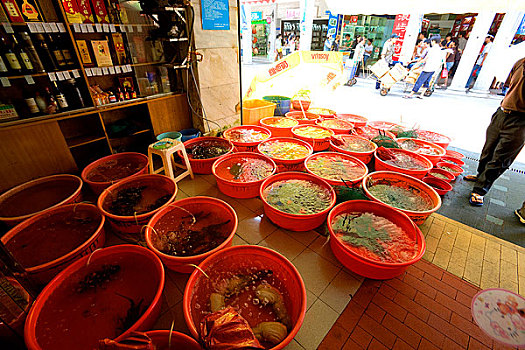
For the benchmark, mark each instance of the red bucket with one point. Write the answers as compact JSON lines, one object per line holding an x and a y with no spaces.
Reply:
{"x":113,"y":168}
{"x":44,"y":256}
{"x":298,"y":115}
{"x":365,"y":266}
{"x":271,"y":123}
{"x":338,"y":126}
{"x":418,"y":174}
{"x":445,"y":175}
{"x":333,"y":158}
{"x":409,"y":183}
{"x":296,"y":222}
{"x":440,"y":186}
{"x":36,"y":196}
{"x":245,"y":259}
{"x":382,"y":125}
{"x":369,"y":133}
{"x":167,"y":218}
{"x":455,"y":154}
{"x":357,"y":120}
{"x":424,"y":148}
{"x":365,"y":157}
{"x":278,"y":149}
{"x":71,"y":315}
{"x":451,"y":168}
{"x":434,"y":137}
{"x":323,"y":112}
{"x":163,"y":338}
{"x":245,"y":138}
{"x":453,"y":160}
{"x":159,"y":184}
{"x":238,"y":188}
{"x":318,"y":144}
{"x":203,"y":166}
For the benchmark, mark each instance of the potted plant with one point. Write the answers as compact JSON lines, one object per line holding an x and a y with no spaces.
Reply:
{"x":302,"y":97}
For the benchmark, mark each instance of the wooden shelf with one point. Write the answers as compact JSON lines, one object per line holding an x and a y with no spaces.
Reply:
{"x":84,"y":140}
{"x":34,"y":75}
{"x":147,"y":64}
{"x":133,"y":134}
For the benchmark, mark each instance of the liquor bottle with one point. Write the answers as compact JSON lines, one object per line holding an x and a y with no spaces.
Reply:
{"x":60,"y":98}
{"x":22,"y":53}
{"x":45,"y":53}
{"x":74,"y":95}
{"x":31,"y":103}
{"x":114,"y":11}
{"x":40,"y":102}
{"x":31,"y":51}
{"x":120,"y":95}
{"x":57,"y":52}
{"x":66,"y":52}
{"x":51,"y":103}
{"x":11,"y":57}
{"x":3,"y":67}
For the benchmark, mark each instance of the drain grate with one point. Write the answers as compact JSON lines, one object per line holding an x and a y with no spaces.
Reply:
{"x":519,"y":171}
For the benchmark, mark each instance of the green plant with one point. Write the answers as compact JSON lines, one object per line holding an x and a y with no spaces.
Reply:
{"x":302,"y":94}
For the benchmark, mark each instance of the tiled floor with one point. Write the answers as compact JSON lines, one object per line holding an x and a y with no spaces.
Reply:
{"x":477,"y":257}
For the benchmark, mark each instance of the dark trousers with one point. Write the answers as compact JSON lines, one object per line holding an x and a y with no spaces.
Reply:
{"x":504,"y":141}
{"x":423,"y":80}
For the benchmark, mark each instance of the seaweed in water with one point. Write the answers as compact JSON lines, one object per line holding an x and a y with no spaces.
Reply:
{"x":128,"y":199}
{"x":96,"y":279}
{"x":132,"y":315}
{"x":207,"y":150}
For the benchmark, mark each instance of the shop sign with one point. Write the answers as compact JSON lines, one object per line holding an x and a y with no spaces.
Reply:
{"x":353,"y":19}
{"x":400,"y":28}
{"x":292,"y":13}
{"x":333,"y":23}
{"x":215,"y":15}
{"x":257,"y":16}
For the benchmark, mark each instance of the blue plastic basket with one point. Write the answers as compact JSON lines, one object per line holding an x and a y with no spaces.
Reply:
{"x":282,"y":104}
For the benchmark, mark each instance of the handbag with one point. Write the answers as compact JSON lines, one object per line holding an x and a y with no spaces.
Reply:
{"x":444,"y":73}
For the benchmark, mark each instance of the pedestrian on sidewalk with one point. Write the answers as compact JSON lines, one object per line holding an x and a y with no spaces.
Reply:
{"x":369,"y":49}
{"x":328,"y":43}
{"x":387,"y":54}
{"x":335,"y":43}
{"x":278,"y":47}
{"x":451,"y":58}
{"x":504,"y":139}
{"x":462,"y":39}
{"x":481,"y":59}
{"x":433,"y":62}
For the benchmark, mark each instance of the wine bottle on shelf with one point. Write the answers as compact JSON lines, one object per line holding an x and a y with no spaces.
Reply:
{"x":60,"y":98}
{"x":40,"y":102}
{"x":26,"y":62}
{"x":75,"y":96}
{"x":51,"y":103}
{"x":114,"y":11}
{"x":12,"y":59}
{"x":31,"y":51}
{"x":66,"y":51}
{"x":120,"y":95}
{"x":57,"y":53}
{"x":45,"y":53}
{"x":3,"y":67}
{"x":31,"y":103}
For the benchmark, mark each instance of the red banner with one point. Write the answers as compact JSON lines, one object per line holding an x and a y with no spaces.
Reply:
{"x":400,"y":28}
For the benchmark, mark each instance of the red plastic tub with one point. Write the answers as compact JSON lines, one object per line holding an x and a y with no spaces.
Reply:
{"x":440,"y":186}
{"x":383,"y":125}
{"x":406,"y":182}
{"x":328,"y":166}
{"x":108,"y":170}
{"x":300,"y":105}
{"x":445,"y":175}
{"x":429,"y":150}
{"x":47,"y":243}
{"x":455,"y":154}
{"x":338,"y":143}
{"x":418,"y":174}
{"x":279,"y":131}
{"x":245,"y":138}
{"x":338,"y":126}
{"x":157,"y":186}
{"x":296,"y":222}
{"x":36,"y":196}
{"x":288,"y":153}
{"x":69,"y":314}
{"x":170,"y":217}
{"x":451,"y":168}
{"x":357,"y":120}
{"x":298,"y":115}
{"x":363,"y":265}
{"x":163,"y":338}
{"x":448,"y":159}
{"x":203,"y":166}
{"x":318,"y":144}
{"x":434,"y":137}
{"x":240,"y":175}
{"x":246,"y":259}
{"x":323,"y":112}
{"x":369,"y":133}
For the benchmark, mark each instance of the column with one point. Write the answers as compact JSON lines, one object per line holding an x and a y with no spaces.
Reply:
{"x":273,"y":31}
{"x":306,"y":21}
{"x":409,"y":42}
{"x":246,"y":30}
{"x":501,"y":43}
{"x":471,"y":52}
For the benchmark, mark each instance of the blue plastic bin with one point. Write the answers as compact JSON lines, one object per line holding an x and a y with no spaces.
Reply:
{"x":282,"y":104}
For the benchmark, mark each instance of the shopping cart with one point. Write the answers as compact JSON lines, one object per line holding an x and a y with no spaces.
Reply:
{"x":349,"y":70}
{"x":386,"y":76}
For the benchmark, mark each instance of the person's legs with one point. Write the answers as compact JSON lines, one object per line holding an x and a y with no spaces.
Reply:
{"x":473,"y":75}
{"x":423,"y":78}
{"x":510,"y":142}
{"x":491,"y":140}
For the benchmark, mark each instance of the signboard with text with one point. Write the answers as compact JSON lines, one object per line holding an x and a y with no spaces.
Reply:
{"x":400,"y":28}
{"x":215,"y":15}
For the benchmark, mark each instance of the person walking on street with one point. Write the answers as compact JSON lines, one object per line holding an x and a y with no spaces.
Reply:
{"x":359,"y":54}
{"x":278,"y":47}
{"x":369,"y":49}
{"x":433,"y":62}
{"x":462,"y":39}
{"x":450,"y":59}
{"x":335,"y":43}
{"x":354,"y":45}
{"x":479,"y":63}
{"x":504,"y":139}
{"x":387,"y":54}
{"x":328,"y":43}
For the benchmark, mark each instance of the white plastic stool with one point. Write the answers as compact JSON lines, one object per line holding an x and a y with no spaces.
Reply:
{"x":165,"y":148}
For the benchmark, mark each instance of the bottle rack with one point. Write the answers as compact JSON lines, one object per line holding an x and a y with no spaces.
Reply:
{"x":89,"y":131}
